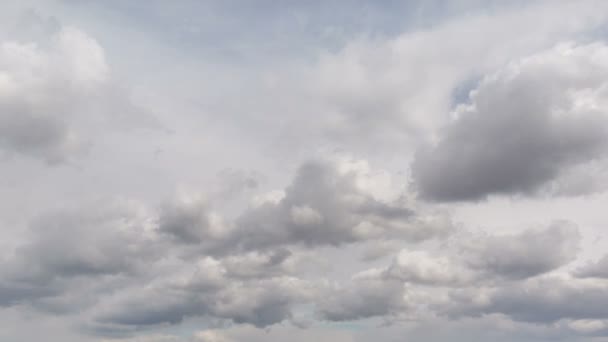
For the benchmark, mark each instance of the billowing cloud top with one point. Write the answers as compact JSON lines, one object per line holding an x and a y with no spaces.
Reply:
{"x":348,"y":171}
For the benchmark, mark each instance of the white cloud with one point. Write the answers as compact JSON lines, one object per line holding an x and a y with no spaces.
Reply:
{"x":52,"y":90}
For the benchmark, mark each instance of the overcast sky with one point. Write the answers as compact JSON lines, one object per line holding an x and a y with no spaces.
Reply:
{"x":330,"y":171}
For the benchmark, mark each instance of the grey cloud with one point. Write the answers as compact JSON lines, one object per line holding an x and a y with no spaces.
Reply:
{"x":13,"y":292}
{"x":526,"y":254}
{"x":35,"y":110}
{"x":66,"y":247}
{"x":260,"y":265}
{"x":363,"y":298}
{"x":187,"y":222}
{"x":153,"y":307}
{"x":56,"y":92}
{"x":321,"y":207}
{"x":261,"y":270}
{"x":420,"y":267}
{"x":233,"y":182}
{"x":260,"y":303}
{"x":487,"y":259}
{"x":38,"y":135}
{"x":482,"y":278}
{"x":324,"y":207}
{"x":106,"y":243}
{"x":598,"y":269}
{"x":105,"y":262}
{"x":113,"y":249}
{"x":525,"y":125}
{"x":541,"y":301}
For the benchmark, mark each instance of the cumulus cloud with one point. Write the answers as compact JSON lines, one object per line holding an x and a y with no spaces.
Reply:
{"x":323,"y":206}
{"x":260,"y":265}
{"x":66,"y":248}
{"x":189,"y":221}
{"x":597,"y":269}
{"x":287,"y":231}
{"x":53,"y":88}
{"x":431,"y":282}
{"x":261,"y":303}
{"x":524,"y":127}
{"x":367,"y":296}
{"x":35,"y":108}
{"x":373,"y":93}
{"x":109,"y":269}
{"x":422,"y":268}
{"x":527,"y":254}
{"x":238,"y":271}
{"x":485,"y":259}
{"x":543,"y":301}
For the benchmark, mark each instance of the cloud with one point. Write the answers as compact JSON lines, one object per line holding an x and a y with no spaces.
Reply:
{"x":364,"y":297}
{"x":260,"y":265}
{"x":170,"y":301}
{"x":527,"y":254}
{"x":467,"y":259}
{"x":467,"y":276}
{"x":598,"y":269}
{"x":524,"y":127}
{"x":372,"y":92}
{"x":238,"y":271}
{"x":211,"y":336}
{"x":129,"y":267}
{"x":126,"y":271}
{"x":420,"y":267}
{"x":35,"y":107}
{"x":53,"y":88}
{"x":285,"y":238}
{"x":70,"y":255}
{"x":189,"y":221}
{"x":541,"y":301}
{"x":323,"y":206}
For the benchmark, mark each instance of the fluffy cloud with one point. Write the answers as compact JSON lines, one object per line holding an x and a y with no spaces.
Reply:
{"x":490,"y":102}
{"x":545,"y":300}
{"x":527,"y":254}
{"x":420,"y":267}
{"x":109,"y":268}
{"x":37,"y":88}
{"x":260,"y":265}
{"x":486,"y":259}
{"x":71,"y":247}
{"x":324,"y":205}
{"x":53,"y":89}
{"x":365,"y":297}
{"x":116,"y":254}
{"x":261,"y":302}
{"x":598,"y":269}
{"x":189,"y":221}
{"x":524,"y":127}
{"x":242,"y":271}
{"x":474,"y":271}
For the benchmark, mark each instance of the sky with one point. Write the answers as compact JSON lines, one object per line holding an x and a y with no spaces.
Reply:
{"x":344,"y":171}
